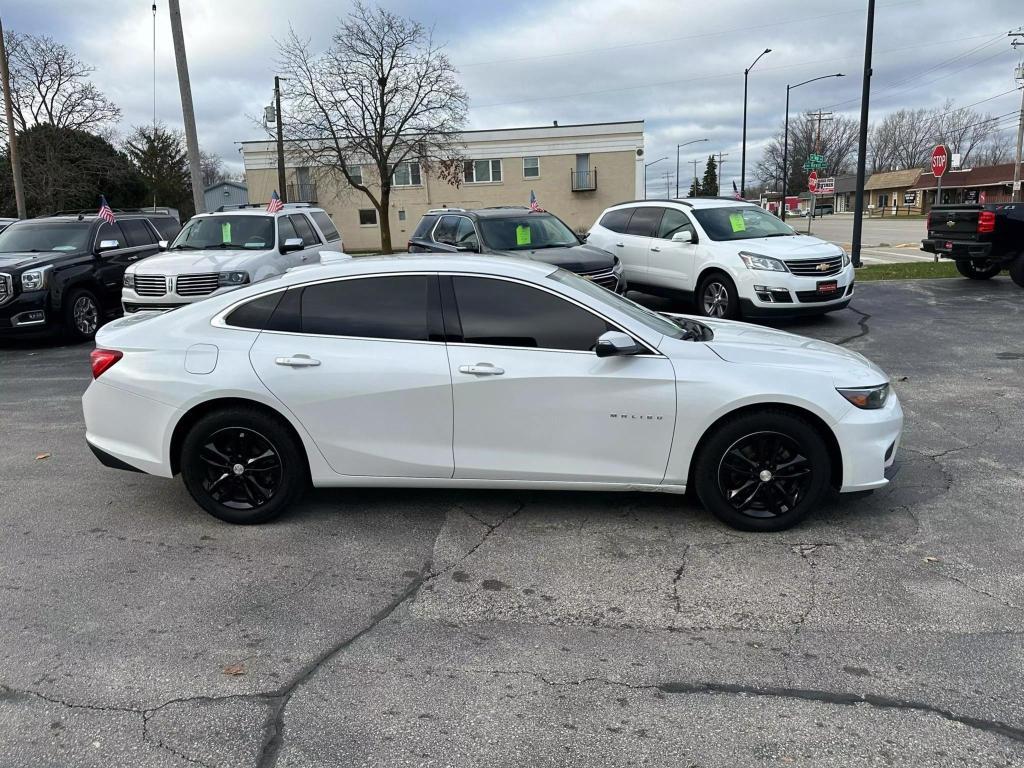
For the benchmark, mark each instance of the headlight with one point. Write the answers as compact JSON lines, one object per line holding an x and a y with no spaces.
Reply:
{"x":766,"y":263}
{"x":846,"y":259}
{"x":34,"y":279}
{"x":129,"y":280}
{"x":868,"y":398}
{"x":232,"y":278}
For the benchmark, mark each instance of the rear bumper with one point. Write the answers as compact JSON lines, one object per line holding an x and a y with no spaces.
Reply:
{"x":128,"y":431}
{"x":957,"y":250}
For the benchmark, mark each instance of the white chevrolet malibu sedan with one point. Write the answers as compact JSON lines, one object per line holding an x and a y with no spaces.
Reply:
{"x":481,"y":372}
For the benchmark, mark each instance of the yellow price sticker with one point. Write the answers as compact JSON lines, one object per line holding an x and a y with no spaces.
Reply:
{"x":737,"y":222}
{"x":523,"y":234}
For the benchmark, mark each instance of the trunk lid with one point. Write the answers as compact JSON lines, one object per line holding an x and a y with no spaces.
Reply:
{"x":954,"y":222}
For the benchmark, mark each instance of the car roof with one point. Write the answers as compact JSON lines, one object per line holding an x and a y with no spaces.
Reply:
{"x":496,"y":212}
{"x":697,"y":203}
{"x":90,"y":217}
{"x":259,"y":211}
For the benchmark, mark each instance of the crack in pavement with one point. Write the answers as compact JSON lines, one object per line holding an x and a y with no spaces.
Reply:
{"x":864,"y":329}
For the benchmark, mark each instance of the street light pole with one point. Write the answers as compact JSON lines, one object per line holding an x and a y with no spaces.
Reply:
{"x":282,"y":189}
{"x":785,"y":137}
{"x":685,"y":143}
{"x":743,"y":158}
{"x":648,"y":165}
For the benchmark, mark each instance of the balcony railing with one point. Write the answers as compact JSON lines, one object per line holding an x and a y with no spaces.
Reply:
{"x":583,"y":181}
{"x":302,"y":193}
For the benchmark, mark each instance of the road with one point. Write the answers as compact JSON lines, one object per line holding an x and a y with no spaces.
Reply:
{"x":434,"y":628}
{"x":883,"y":241}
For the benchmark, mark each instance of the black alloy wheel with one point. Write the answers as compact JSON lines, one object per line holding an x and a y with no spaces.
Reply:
{"x":763,"y":470}
{"x":978,"y":269}
{"x":242,"y":465}
{"x":716,"y":297}
{"x":82,"y":315}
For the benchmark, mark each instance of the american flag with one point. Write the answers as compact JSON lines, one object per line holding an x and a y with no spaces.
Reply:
{"x":534,"y":205}
{"x":736,"y":192}
{"x":275,"y":203}
{"x":106,"y":213}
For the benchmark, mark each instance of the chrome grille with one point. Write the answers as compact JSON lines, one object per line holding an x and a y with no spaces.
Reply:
{"x":816,"y":267}
{"x":150,"y":285}
{"x":6,"y":288}
{"x":196,"y":285}
{"x":606,"y":278}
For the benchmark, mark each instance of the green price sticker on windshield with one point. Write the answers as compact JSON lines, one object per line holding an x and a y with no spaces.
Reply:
{"x":737,"y":222}
{"x":225,"y":232}
{"x":522,"y":234}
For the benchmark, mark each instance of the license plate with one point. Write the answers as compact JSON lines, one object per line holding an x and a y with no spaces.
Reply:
{"x":947,"y":246}
{"x":830,"y":286}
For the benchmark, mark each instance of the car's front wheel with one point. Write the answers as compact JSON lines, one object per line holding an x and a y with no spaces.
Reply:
{"x":717,"y":297}
{"x":82,"y":315}
{"x":242,"y":465}
{"x":763,"y":471}
{"x":978,"y":269}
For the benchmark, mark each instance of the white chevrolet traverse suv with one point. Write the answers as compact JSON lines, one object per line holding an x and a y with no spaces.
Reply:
{"x":481,"y":372}
{"x":228,"y":248}
{"x":732,"y":257}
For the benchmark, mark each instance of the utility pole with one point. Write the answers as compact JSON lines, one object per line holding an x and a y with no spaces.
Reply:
{"x":12,"y":139}
{"x":282,"y":190}
{"x":695,"y":189}
{"x":818,"y":116}
{"x":667,"y":189}
{"x":1018,"y":39}
{"x":187,"y":111}
{"x":721,"y":160}
{"x":862,"y":144}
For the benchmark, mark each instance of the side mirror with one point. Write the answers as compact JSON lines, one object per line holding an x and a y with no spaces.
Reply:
{"x":292,"y":244}
{"x":162,"y":245}
{"x":614,"y":343}
{"x":108,"y":245}
{"x":685,"y":236}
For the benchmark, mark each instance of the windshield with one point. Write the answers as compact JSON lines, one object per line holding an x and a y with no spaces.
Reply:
{"x":683,"y":329}
{"x":527,"y":232}
{"x":740,"y":223}
{"x":238,"y":232}
{"x":45,"y":236}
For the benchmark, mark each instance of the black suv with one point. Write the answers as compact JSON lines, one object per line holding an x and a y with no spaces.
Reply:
{"x":516,"y":231}
{"x":65,"y":271}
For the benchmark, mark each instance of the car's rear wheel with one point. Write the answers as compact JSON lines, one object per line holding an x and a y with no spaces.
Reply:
{"x":242,"y":465}
{"x":82,"y":314}
{"x":763,"y":471}
{"x":716,"y":297}
{"x":1017,"y":270}
{"x":978,"y":269}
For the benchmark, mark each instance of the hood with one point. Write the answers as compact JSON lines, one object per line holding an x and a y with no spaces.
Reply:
{"x":24,"y":259}
{"x":737,"y":342}
{"x":575,"y":258}
{"x":191,"y":262}
{"x":799,"y":247}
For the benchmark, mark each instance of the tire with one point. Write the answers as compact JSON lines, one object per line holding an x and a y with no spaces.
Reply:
{"x":716,"y":297}
{"x":225,"y":465}
{"x":81,"y":315}
{"x":1017,"y":270}
{"x":737,"y":471}
{"x":978,"y":269}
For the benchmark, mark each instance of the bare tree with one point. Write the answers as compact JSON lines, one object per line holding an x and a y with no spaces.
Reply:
{"x":383,"y":93}
{"x":50,"y":85}
{"x":962,"y":129}
{"x":996,"y":150}
{"x":903,"y":139}
{"x":837,"y":143}
{"x":212,"y":168}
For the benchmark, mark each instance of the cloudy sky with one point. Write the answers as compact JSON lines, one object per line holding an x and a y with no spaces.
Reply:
{"x":678,"y":64}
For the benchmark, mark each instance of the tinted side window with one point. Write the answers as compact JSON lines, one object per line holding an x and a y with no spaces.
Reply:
{"x":326,"y":226}
{"x":402,"y":307}
{"x":255,"y":314}
{"x":285,"y":230}
{"x":645,"y":221}
{"x":304,"y":229}
{"x":423,"y":228}
{"x":166,"y":226}
{"x":617,"y":220}
{"x":511,"y":314}
{"x":137,"y":232}
{"x":447,"y":230}
{"x":465,"y":233}
{"x":674,"y":221}
{"x":111,"y":232}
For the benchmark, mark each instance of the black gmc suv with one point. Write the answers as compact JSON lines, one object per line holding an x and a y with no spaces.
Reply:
{"x":983,"y":240}
{"x":64,"y":272}
{"x":516,"y":231}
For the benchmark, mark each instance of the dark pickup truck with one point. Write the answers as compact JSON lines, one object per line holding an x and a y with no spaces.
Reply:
{"x":983,"y":240}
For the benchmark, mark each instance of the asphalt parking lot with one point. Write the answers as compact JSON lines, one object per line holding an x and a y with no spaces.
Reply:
{"x":427,"y":628}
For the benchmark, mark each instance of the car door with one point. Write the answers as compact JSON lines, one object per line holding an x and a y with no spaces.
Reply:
{"x":533,"y":401}
{"x":112,"y":262}
{"x":311,"y":243}
{"x":361,"y":363}
{"x":673,"y":264}
{"x":612,"y":237}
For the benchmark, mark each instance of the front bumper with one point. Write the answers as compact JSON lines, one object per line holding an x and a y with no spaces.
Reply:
{"x":27,"y":313}
{"x":775,"y":294}
{"x":131,"y":302}
{"x":869,"y":442}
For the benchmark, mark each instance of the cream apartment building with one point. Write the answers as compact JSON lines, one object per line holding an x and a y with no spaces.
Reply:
{"x":575,"y":171}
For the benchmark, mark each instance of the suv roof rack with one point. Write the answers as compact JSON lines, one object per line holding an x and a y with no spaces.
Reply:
{"x":446,"y":210}
{"x":83,"y":212}
{"x":503,"y":207}
{"x":679,"y":200}
{"x":303,"y":204}
{"x":237,"y":207}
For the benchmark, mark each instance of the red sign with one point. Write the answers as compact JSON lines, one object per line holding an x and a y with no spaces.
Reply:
{"x":812,"y":182}
{"x":940,"y":160}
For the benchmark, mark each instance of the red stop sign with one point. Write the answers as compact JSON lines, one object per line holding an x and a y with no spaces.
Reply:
{"x":940,"y":160}
{"x":812,"y":181}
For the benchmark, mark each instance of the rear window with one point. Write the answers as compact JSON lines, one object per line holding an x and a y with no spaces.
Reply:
{"x":645,"y":221}
{"x":326,"y":226}
{"x":392,"y":307}
{"x":166,"y":226}
{"x":137,"y":232}
{"x":423,"y":228}
{"x":616,"y":220}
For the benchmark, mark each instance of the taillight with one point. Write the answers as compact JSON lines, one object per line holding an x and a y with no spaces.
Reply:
{"x":986,"y":222}
{"x":102,"y":359}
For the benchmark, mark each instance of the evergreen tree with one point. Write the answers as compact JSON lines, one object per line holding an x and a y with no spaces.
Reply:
{"x":709,"y":185}
{"x":160,"y":156}
{"x":694,"y":188}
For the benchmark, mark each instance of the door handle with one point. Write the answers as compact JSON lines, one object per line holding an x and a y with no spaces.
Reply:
{"x":297,"y":361}
{"x":481,"y":369}
{"x":620,"y":245}
{"x":656,"y":249}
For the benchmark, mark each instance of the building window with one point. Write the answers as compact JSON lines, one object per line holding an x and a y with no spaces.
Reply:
{"x":406,"y":175}
{"x":401,"y":214}
{"x":531,"y":167}
{"x":356,"y":172}
{"x":367,"y":217}
{"x":479,"y":171}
